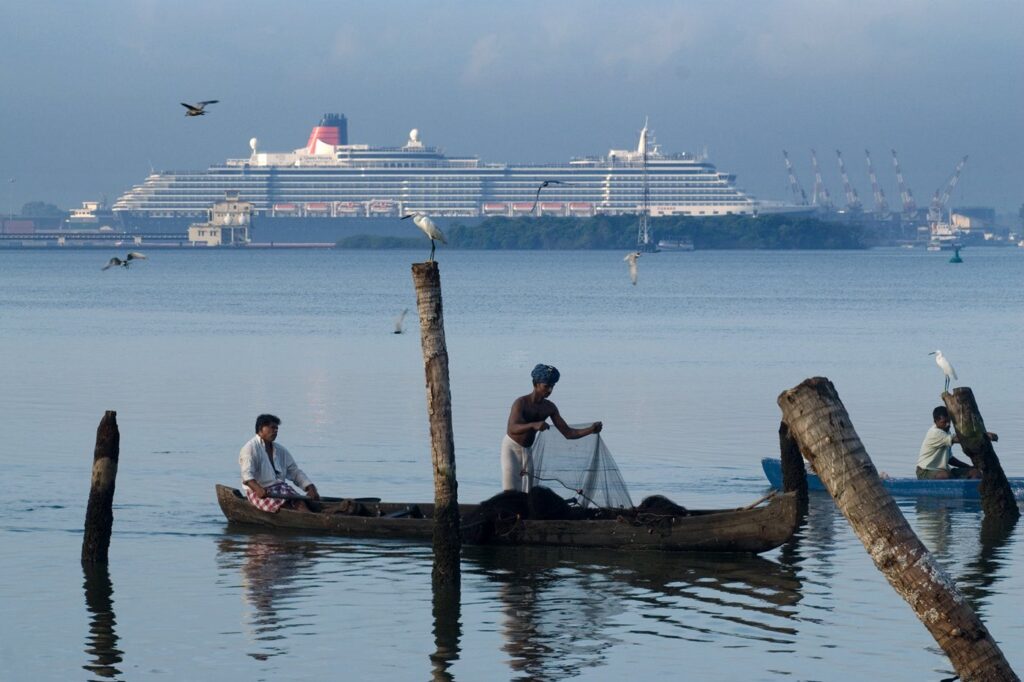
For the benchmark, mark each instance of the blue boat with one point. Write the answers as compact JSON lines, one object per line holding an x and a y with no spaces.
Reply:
{"x":960,"y":489}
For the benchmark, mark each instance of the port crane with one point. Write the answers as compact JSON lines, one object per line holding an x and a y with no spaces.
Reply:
{"x":881,"y":204}
{"x":799,"y":195}
{"x":820,"y":196}
{"x":852,"y":200}
{"x":909,"y":209}
{"x":939,"y":201}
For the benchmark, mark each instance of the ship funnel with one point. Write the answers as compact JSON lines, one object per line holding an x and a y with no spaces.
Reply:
{"x":332,"y":130}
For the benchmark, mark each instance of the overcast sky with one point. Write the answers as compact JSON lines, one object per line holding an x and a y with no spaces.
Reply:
{"x":91,"y":90}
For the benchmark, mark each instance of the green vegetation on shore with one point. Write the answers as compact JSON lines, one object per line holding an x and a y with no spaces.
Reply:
{"x":777,"y":231}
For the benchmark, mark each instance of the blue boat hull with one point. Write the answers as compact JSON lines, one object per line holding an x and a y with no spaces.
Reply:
{"x":960,"y":489}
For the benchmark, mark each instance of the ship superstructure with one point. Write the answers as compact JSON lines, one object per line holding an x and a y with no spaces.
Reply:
{"x":331,"y":179}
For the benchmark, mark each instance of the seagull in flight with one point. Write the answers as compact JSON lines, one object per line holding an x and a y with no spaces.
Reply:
{"x":429,"y":228}
{"x":631,"y":259}
{"x":198,"y":108}
{"x":399,"y":320}
{"x":542,"y":186}
{"x":115,"y":261}
{"x":944,"y":365}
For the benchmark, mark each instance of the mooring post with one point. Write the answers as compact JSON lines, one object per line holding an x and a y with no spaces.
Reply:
{"x":99,"y":514}
{"x":794,"y":474}
{"x":821,"y":426}
{"x":997,"y":499}
{"x":447,"y":539}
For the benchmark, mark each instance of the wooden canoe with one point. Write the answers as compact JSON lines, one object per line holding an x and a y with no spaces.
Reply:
{"x":729,"y":530}
{"x":954,"y":488}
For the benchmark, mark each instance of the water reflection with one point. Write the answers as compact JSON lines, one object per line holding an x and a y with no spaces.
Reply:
{"x":273,"y":569}
{"x":986,"y":569}
{"x":101,"y":643}
{"x":564,"y":609}
{"x":447,"y":601}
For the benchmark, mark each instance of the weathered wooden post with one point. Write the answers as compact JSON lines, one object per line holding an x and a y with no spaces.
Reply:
{"x":447,"y":539}
{"x":997,"y":499}
{"x":821,"y":426}
{"x":99,"y":514}
{"x":794,"y":474}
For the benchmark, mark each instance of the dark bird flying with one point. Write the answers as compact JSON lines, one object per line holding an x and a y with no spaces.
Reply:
{"x":115,"y":261}
{"x":197,"y":109}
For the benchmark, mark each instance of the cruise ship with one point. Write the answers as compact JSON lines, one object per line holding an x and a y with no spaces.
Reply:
{"x":330,"y":188}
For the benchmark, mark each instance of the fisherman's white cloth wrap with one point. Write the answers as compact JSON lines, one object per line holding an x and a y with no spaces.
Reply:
{"x":514,"y":460}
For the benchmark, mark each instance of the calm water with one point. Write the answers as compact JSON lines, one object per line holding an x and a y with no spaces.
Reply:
{"x":683,"y":370}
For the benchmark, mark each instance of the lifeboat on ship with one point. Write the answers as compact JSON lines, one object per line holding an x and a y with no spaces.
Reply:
{"x":382,"y":207}
{"x":285,"y":209}
{"x":318,"y":208}
{"x":552,"y":208}
{"x":346,"y":208}
{"x":522,"y":208}
{"x":495,"y":209}
{"x":581,"y":208}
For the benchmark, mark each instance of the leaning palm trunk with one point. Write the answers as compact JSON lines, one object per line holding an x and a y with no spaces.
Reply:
{"x":819,"y":423}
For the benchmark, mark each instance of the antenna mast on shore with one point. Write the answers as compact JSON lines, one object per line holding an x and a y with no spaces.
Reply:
{"x":643,"y":236}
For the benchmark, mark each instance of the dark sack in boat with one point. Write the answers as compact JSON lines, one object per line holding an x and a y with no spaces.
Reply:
{"x":493,"y":515}
{"x":661,"y":505}
{"x":545,"y":503}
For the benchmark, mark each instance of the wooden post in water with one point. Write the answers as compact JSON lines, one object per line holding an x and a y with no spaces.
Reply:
{"x":794,"y":474}
{"x":821,"y":426}
{"x":99,"y":514}
{"x":997,"y":499}
{"x":447,"y":539}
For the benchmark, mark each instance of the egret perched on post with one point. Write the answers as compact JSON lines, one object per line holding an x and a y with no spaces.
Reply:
{"x":944,"y":365}
{"x":134,"y":255}
{"x":631,"y":259}
{"x":429,"y":228}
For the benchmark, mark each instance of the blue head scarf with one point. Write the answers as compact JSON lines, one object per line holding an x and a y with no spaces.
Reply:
{"x":545,"y":374}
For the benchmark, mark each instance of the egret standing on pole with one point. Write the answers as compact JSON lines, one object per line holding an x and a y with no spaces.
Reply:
{"x":944,"y":365}
{"x":429,"y":228}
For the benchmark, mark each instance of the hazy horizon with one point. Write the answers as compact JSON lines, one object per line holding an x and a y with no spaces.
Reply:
{"x":92,"y":90}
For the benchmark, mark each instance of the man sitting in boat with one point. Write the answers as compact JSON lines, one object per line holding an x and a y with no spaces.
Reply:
{"x":267,"y":467}
{"x":936,"y":460}
{"x":529,"y":415}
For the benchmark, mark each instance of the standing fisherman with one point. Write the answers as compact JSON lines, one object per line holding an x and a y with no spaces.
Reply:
{"x":529,"y":415}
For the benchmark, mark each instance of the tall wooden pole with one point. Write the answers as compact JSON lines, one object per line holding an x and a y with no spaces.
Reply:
{"x":997,"y":499}
{"x":794,"y":474}
{"x":821,"y":426}
{"x":447,"y":539}
{"x":99,"y":514}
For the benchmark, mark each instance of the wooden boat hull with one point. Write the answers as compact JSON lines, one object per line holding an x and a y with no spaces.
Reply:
{"x":960,"y":489}
{"x":737,"y":530}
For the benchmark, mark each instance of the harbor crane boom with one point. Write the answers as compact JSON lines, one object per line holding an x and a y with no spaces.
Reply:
{"x":906,"y":196}
{"x":799,"y":195}
{"x":820,"y":196}
{"x":881,"y":204}
{"x":852,"y":200}
{"x":938,"y":205}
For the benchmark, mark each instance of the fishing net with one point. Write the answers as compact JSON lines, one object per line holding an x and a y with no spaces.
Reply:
{"x":584,"y":465}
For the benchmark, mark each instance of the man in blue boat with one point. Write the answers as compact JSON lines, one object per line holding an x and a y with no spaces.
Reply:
{"x":528,"y":416}
{"x":936,"y":460}
{"x":268,"y":466}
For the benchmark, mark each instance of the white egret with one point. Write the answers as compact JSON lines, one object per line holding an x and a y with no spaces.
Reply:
{"x":631,"y":259}
{"x":399,"y":320}
{"x":429,"y":228}
{"x":197,"y":108}
{"x":134,"y":255}
{"x":944,"y":365}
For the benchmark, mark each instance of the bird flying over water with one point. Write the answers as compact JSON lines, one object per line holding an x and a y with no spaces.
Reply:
{"x":399,"y":320}
{"x":197,"y":109}
{"x":134,"y":255}
{"x":429,"y":228}
{"x":944,"y":365}
{"x":631,"y":259}
{"x":542,"y":186}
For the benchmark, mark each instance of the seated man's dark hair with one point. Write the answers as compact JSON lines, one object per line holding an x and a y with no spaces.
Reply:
{"x":940,"y":411}
{"x":265,"y":419}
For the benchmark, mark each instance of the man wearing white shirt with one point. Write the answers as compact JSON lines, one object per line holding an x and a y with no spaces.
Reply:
{"x":267,"y":467}
{"x":936,"y":460}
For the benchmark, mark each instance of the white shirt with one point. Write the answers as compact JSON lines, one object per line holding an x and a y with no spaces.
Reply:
{"x":936,"y":450}
{"x":256,"y":465}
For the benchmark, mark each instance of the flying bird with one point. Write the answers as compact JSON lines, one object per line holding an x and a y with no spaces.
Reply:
{"x":399,"y":320}
{"x":198,"y":108}
{"x":429,"y":228}
{"x":542,"y":186}
{"x":944,"y":365}
{"x":115,"y":261}
{"x":631,"y":259}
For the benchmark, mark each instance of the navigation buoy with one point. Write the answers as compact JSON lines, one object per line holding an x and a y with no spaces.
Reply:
{"x":956,"y":256}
